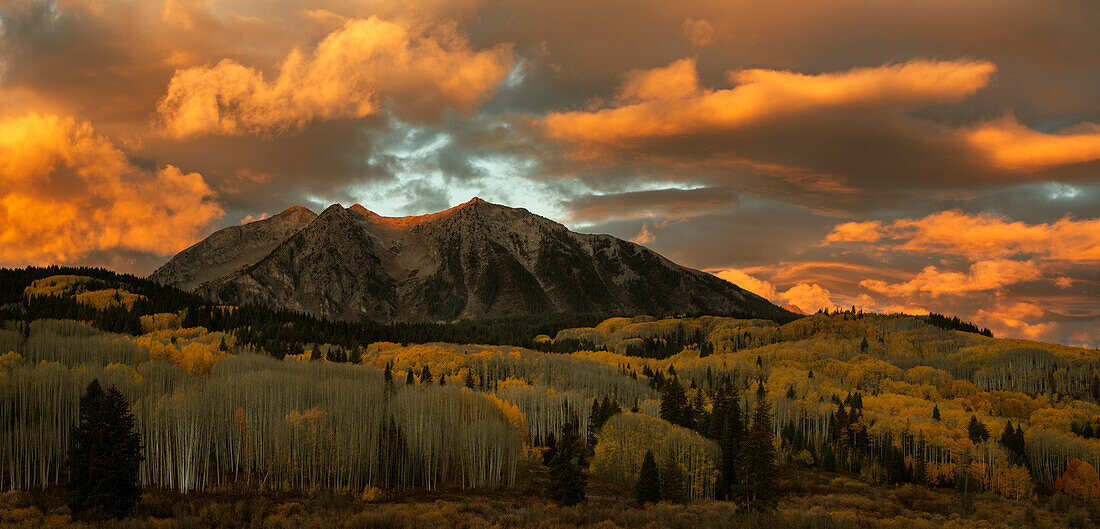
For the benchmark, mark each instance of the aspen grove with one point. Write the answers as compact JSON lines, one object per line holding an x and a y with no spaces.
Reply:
{"x":896,"y":399}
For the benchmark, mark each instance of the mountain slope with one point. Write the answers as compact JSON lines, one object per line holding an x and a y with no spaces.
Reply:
{"x":474,"y":260}
{"x":231,"y":248}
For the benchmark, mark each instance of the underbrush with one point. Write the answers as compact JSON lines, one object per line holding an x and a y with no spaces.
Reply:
{"x":812,"y":500}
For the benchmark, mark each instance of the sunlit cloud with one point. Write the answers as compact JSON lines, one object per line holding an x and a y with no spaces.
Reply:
{"x":978,"y":236}
{"x":1011,"y":145}
{"x":352,"y":73}
{"x":66,"y":191}
{"x":666,"y":204}
{"x":666,"y":102}
{"x":757,"y":286}
{"x":983,"y":275}
{"x":808,"y":297}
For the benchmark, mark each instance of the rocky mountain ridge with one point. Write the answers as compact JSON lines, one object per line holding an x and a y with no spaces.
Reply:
{"x":473,"y":260}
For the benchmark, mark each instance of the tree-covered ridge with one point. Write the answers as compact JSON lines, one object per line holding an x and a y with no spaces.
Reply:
{"x":275,"y":332}
{"x":892,"y":398}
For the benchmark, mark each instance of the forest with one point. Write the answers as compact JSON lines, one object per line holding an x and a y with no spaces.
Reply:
{"x":247,"y":399}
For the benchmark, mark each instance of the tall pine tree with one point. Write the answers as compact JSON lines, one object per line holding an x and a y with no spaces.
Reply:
{"x":648,"y":488}
{"x":104,"y":457}
{"x":568,"y":481}
{"x":761,"y":468}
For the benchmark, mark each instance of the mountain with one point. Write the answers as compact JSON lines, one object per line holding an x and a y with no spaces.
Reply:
{"x":474,"y":260}
{"x":229,"y":249}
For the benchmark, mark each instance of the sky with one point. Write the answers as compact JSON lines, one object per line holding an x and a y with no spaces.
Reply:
{"x":941,"y":155}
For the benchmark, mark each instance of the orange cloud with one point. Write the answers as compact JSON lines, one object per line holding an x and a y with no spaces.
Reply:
{"x":1015,"y":319}
{"x":66,"y":191}
{"x":644,"y":236}
{"x":759,"y":287}
{"x":808,"y":297}
{"x":983,"y":236}
{"x":760,"y":94}
{"x":856,"y":232}
{"x":1010,"y":145}
{"x":352,"y":73}
{"x":698,"y":32}
{"x":983,"y":275}
{"x":676,"y":81}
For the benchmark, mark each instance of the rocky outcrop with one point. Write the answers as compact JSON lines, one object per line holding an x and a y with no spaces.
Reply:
{"x":474,"y":260}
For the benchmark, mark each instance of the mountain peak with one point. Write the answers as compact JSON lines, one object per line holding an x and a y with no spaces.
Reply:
{"x":476,"y":259}
{"x":296,"y":210}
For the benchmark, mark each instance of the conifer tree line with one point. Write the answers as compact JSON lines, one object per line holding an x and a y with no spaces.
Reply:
{"x":275,"y":332}
{"x":747,"y":463}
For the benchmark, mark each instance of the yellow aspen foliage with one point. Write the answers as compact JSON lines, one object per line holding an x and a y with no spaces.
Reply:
{"x":624,"y":439}
{"x":515,"y":417}
{"x":160,"y":321}
{"x":9,"y":360}
{"x":112,"y":297}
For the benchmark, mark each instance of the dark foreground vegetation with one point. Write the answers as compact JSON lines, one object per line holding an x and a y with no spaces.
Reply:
{"x":809,"y":500}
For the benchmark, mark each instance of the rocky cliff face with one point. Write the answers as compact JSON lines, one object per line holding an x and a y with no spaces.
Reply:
{"x":474,"y":260}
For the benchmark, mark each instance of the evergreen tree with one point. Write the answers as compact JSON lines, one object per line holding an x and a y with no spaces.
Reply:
{"x":388,"y":373}
{"x":104,"y":456}
{"x":672,"y":482}
{"x":409,"y":379}
{"x":567,"y":477}
{"x":1008,"y":440}
{"x":648,"y":488}
{"x":425,"y":375}
{"x":469,"y":380}
{"x":761,"y":467}
{"x":828,"y":459}
{"x":977,"y":430}
{"x":935,"y":412}
{"x":727,"y":429}
{"x":551,"y":449}
{"x":1019,"y":444}
{"x":920,"y":466}
{"x":674,"y":404}
{"x":594,"y":422}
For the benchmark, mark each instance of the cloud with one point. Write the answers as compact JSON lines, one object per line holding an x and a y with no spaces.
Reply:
{"x":759,"y":287}
{"x":856,"y":232}
{"x":672,"y":204}
{"x":678,"y":80}
{"x":980,"y":236}
{"x":760,"y":94}
{"x":1011,"y":145}
{"x":810,"y":297}
{"x":352,"y":73}
{"x":983,"y":275}
{"x":66,"y":192}
{"x":644,"y":236}
{"x":250,"y":218}
{"x":698,"y":32}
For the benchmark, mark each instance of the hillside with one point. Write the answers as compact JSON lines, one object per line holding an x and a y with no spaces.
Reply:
{"x":860,"y":405}
{"x":475,"y":260}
